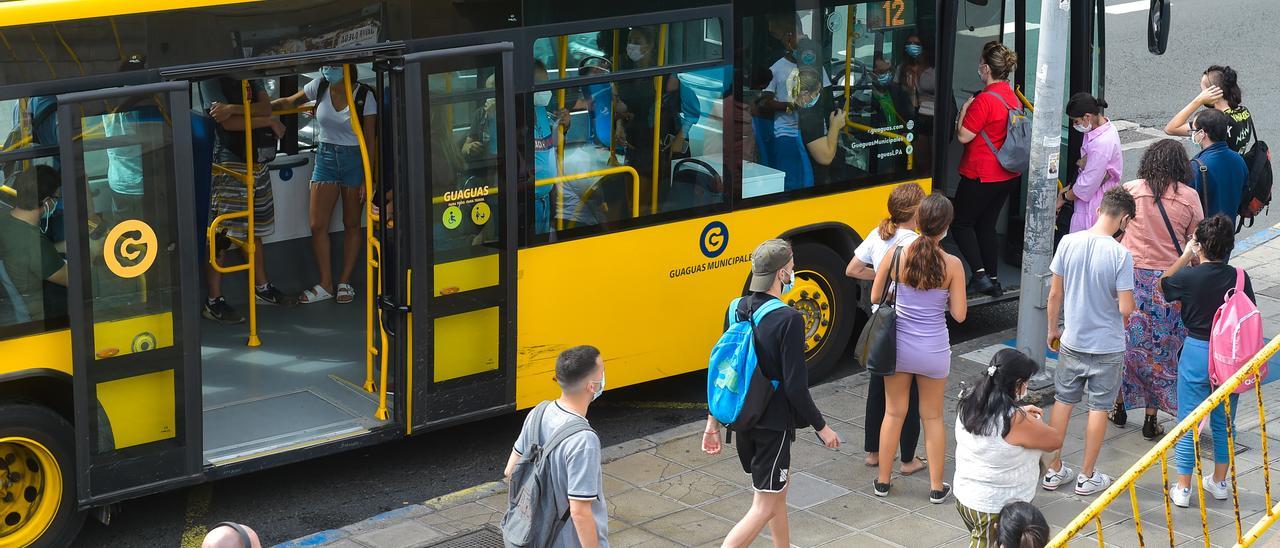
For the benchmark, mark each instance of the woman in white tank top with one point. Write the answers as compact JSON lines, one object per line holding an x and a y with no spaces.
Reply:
{"x":998,"y":446}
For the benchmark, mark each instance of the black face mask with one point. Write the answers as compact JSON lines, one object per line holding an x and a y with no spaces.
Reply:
{"x":1120,"y":233}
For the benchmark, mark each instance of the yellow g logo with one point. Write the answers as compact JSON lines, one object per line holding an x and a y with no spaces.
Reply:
{"x":137,"y":250}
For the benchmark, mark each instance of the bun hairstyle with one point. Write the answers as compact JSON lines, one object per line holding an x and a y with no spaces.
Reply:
{"x":1217,"y":237}
{"x":1226,"y":79}
{"x":903,"y":203}
{"x":1083,"y":103}
{"x":1021,"y":525}
{"x":926,"y":268}
{"x":1000,"y":58}
{"x":989,"y":406}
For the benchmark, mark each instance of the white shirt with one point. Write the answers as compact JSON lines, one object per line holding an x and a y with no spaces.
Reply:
{"x":991,"y":472}
{"x":334,"y":126}
{"x":872,"y":250}
{"x":786,"y":124}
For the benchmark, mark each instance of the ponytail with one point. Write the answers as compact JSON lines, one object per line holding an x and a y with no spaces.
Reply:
{"x":926,"y":267}
{"x":1227,"y":79}
{"x":903,"y":202}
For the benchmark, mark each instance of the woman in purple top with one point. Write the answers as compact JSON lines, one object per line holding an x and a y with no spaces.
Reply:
{"x":1101,"y":161}
{"x":929,"y":283}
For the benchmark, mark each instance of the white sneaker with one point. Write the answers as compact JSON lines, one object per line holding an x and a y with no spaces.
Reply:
{"x":1052,"y":479}
{"x":1181,"y":496}
{"x":1096,"y":484}
{"x":1219,"y":489}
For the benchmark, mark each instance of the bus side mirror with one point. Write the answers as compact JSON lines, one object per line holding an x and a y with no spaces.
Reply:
{"x":1158,"y":26}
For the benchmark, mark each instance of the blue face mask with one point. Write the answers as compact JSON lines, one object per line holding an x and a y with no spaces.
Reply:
{"x":786,"y":287}
{"x":332,"y":74}
{"x":813,"y":101}
{"x":884,"y":79}
{"x":914,"y":50}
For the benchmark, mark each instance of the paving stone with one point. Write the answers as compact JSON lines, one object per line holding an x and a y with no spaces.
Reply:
{"x":638,"y":506}
{"x":497,"y":502}
{"x":842,"y":405}
{"x":808,"y":529}
{"x":732,"y":507}
{"x":688,"y":452}
{"x":805,"y":491}
{"x":644,"y":468}
{"x":614,"y":486}
{"x":1062,"y":511}
{"x":806,"y":455}
{"x":344,"y":543}
{"x":639,"y":537}
{"x":847,"y":473}
{"x":914,"y":530}
{"x":465,"y":517}
{"x":690,"y":527}
{"x":694,"y":488}
{"x":729,"y":470}
{"x":401,"y":535}
{"x":860,"y":540}
{"x":858,"y":511}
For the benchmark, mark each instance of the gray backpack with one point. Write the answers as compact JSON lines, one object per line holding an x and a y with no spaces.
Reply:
{"x":1015,"y":154}
{"x":531,"y":519}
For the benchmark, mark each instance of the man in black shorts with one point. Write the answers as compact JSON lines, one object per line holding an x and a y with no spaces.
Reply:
{"x":765,"y":450}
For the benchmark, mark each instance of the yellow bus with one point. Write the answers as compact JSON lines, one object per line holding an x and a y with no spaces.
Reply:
{"x":542,"y":174}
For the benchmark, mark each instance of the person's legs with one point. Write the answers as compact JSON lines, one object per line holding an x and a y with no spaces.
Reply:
{"x":352,"y":233}
{"x":897,"y":389}
{"x":1191,"y":392}
{"x":766,"y":455}
{"x":981,"y":526}
{"x":1059,"y":421}
{"x":324,"y":196}
{"x":1221,"y":445}
{"x":873,"y":419}
{"x":779,"y":529}
{"x":764,"y":507}
{"x":969,"y":202}
{"x":985,"y":226}
{"x":1094,"y":431}
{"x":1103,"y":385}
{"x":935,"y":437}
{"x":1068,"y":385}
{"x":910,"y":437}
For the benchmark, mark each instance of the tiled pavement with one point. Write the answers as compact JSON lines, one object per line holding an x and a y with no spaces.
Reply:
{"x":663,"y":491}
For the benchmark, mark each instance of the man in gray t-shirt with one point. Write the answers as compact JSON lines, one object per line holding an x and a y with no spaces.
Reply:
{"x":1093,"y":285}
{"x":576,"y":475}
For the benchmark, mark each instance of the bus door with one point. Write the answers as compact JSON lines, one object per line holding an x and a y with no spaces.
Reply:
{"x":126,"y":174}
{"x":459,"y":152}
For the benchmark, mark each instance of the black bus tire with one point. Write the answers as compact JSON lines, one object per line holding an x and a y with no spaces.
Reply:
{"x":823,"y":294}
{"x":37,"y":436}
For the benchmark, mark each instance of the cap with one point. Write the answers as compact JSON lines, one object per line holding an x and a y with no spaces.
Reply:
{"x":768,"y":258}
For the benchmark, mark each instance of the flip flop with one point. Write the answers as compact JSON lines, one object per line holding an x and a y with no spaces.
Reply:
{"x":346,"y":293}
{"x":924,"y":465}
{"x":315,"y":295}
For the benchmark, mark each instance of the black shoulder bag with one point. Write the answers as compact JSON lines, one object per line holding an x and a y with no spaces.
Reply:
{"x":877,"y":348}
{"x":1173,"y":235}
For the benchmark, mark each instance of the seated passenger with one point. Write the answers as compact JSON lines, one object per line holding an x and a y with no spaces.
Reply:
{"x":820,"y":127}
{"x":339,"y":172}
{"x":36,"y":273}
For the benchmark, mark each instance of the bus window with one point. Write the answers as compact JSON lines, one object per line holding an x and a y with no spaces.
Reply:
{"x":466,"y":162}
{"x":609,"y":50}
{"x":871,"y":61}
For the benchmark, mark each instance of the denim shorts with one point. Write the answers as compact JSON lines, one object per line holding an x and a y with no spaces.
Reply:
{"x":339,"y":164}
{"x":1095,"y":376}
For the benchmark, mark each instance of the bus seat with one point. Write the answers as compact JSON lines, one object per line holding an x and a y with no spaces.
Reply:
{"x":694,"y":183}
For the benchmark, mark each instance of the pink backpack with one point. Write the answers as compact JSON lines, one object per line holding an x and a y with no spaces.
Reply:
{"x":1235,"y":338}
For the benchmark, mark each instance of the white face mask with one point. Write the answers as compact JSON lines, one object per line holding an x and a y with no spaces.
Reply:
{"x":1083,"y":128}
{"x":542,"y":98}
{"x":599,"y":392}
{"x":635,"y":52}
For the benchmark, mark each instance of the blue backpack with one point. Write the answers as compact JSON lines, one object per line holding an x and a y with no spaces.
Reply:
{"x":737,"y":391}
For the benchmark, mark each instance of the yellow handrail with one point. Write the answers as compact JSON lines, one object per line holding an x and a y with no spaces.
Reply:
{"x":211,"y":234}
{"x":251,"y":240}
{"x":613,"y":105}
{"x":1158,"y":453}
{"x":848,"y":58}
{"x":657,"y":115}
{"x":564,"y":60}
{"x":297,"y":110}
{"x":635,"y":182}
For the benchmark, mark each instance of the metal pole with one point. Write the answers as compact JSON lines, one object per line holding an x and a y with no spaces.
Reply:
{"x":1042,"y":184}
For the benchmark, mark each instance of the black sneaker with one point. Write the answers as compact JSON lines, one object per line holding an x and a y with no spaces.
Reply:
{"x":980,"y":283}
{"x":940,"y":496}
{"x":219,"y":311}
{"x":995,"y":291}
{"x":271,"y":295}
{"x":880,"y":489}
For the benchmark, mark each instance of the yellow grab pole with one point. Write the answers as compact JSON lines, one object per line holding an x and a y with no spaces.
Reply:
{"x":564,"y":60}
{"x":848,"y":58}
{"x":613,"y":104}
{"x":355,"y":118}
{"x":251,"y":241}
{"x":635,"y":182}
{"x":657,"y":116}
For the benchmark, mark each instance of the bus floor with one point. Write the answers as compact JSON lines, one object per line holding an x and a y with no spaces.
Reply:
{"x":301,"y":387}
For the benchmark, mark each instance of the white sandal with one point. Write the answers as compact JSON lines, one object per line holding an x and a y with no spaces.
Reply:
{"x":315,"y":295}
{"x":346,"y":293}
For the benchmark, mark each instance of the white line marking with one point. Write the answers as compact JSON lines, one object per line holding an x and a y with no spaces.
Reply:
{"x":1121,"y":9}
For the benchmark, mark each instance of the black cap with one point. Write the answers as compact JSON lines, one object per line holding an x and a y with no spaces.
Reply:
{"x":1083,"y":103}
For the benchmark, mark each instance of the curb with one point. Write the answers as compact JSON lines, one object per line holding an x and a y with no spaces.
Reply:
{"x":1256,"y":240}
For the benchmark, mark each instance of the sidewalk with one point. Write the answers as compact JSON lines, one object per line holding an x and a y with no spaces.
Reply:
{"x":663,"y":491}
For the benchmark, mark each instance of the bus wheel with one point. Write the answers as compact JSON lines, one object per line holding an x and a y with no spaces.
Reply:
{"x":37,"y":478}
{"x":827,"y":304}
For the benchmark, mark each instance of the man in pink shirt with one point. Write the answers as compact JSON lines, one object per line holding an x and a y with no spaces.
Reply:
{"x":1101,"y":160}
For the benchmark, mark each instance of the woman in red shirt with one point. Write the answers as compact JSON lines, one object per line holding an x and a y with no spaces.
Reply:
{"x":984,"y":184}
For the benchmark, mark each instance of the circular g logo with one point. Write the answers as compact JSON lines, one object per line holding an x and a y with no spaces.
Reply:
{"x":134,"y":242}
{"x":143,"y":342}
{"x":714,"y":240}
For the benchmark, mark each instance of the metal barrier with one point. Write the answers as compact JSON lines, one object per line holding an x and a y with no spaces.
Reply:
{"x":1159,"y":454}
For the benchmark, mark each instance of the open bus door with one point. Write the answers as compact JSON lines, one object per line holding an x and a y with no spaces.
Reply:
{"x":126,"y":174}
{"x":459,"y":151}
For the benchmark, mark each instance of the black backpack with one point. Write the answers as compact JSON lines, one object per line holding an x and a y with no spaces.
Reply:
{"x":1257,"y":185}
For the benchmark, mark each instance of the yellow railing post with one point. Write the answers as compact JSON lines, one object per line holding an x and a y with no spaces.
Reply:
{"x":635,"y":182}
{"x":613,"y":105}
{"x":657,"y":115}
{"x":251,"y":240}
{"x":564,"y":60}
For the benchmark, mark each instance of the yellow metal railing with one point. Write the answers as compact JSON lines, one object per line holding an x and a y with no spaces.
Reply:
{"x":635,"y":184}
{"x":1159,"y":454}
{"x":249,"y":244}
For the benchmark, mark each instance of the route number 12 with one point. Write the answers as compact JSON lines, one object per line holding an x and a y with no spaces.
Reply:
{"x":893,"y":10}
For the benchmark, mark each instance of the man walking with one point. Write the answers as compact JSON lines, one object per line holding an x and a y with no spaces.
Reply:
{"x":1093,"y":285}
{"x":1217,"y":173}
{"x":574,"y":465}
{"x":765,"y":450}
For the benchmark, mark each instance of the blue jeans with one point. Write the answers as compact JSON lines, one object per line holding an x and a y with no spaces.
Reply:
{"x":1193,"y":389}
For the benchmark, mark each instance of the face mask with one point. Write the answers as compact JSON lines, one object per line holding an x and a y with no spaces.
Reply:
{"x":635,"y":52}
{"x":791,"y":282}
{"x":806,"y":57}
{"x":915,"y":50}
{"x":1021,"y":393}
{"x":332,"y":74}
{"x":1197,"y":141}
{"x":599,"y":392}
{"x":542,"y":98}
{"x":47,"y":214}
{"x":813,"y":101}
{"x":1083,"y":128}
{"x":884,"y":79}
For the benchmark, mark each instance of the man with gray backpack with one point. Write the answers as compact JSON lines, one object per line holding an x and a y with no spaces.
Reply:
{"x":557,"y":496}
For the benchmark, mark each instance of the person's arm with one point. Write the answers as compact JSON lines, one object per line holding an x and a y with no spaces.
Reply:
{"x":963,"y":133}
{"x":1029,"y":430}
{"x":1180,"y":126}
{"x":824,"y":149}
{"x":711,"y":437}
{"x":584,"y":523}
{"x":1055,"y":308}
{"x":511,"y":464}
{"x":224,"y":112}
{"x":1090,"y":178}
{"x":859,"y":270}
{"x":582,"y":464}
{"x":291,"y":101}
{"x":1124,"y":287}
{"x":1189,"y":252}
{"x":795,"y":380}
{"x":368,"y":126}
{"x":1125,"y":298}
{"x":59,"y":276}
{"x":958,"y":297}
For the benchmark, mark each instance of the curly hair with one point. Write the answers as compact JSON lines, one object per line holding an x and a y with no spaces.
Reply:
{"x":1217,"y":237}
{"x":1163,"y":166}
